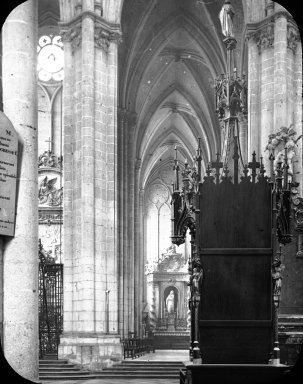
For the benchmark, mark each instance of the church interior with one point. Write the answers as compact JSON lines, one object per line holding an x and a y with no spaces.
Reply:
{"x":151,"y":184}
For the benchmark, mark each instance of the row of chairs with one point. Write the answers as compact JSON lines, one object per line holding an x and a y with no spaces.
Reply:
{"x":134,"y":347}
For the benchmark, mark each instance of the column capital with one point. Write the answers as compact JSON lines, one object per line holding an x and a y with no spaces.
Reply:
{"x":72,"y":35}
{"x":104,"y":37}
{"x":262,"y":34}
{"x":105,"y":32}
{"x":293,"y":37}
{"x":261,"y":31}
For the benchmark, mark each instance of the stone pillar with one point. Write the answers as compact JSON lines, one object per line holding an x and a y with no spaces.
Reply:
{"x":90,"y":336}
{"x":137,"y":255}
{"x":111,"y":182}
{"x":121,"y":225}
{"x":124,"y":191}
{"x":142,"y":282}
{"x":267,"y":88}
{"x":298,"y":174}
{"x":68,"y":147}
{"x":280,"y":72}
{"x":271,"y":96}
{"x":20,"y":266}
{"x":130,"y":221}
{"x":253,"y":97}
{"x":86,"y":278}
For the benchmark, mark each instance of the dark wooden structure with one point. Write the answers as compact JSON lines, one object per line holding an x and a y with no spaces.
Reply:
{"x":235,"y":225}
{"x":234,"y":374}
{"x":235,"y":250}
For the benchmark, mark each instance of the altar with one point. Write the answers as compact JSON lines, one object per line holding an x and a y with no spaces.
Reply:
{"x":167,"y":296}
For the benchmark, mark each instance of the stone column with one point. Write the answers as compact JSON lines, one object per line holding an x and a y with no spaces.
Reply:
{"x":90,"y":335}
{"x":298,"y":174}
{"x":280,"y":72}
{"x":20,"y":267}
{"x":124,"y":191}
{"x":137,"y":254}
{"x":86,"y":278}
{"x":130,"y":222}
{"x":267,"y":88}
{"x":67,"y":112}
{"x":121,"y":196}
{"x":111,"y":183}
{"x":253,"y":97}
{"x":142,"y":282}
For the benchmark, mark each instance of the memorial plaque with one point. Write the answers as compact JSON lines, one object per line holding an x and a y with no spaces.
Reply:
{"x":8,"y":175}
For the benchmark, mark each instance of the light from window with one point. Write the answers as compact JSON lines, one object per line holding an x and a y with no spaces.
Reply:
{"x":50,"y":58}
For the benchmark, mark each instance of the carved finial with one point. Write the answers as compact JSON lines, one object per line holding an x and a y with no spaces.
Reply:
{"x":226,"y":172}
{"x":245,"y":171}
{"x":209,"y":170}
{"x":217,"y":165}
{"x":199,"y":159}
{"x":262,"y":169}
{"x":254,"y":165}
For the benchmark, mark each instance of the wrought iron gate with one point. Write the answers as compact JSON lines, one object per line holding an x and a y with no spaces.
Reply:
{"x":50,"y":303}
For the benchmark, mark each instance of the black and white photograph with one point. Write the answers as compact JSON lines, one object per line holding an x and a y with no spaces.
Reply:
{"x":151,"y":192}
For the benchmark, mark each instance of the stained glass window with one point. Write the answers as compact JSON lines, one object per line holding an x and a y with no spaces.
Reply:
{"x":50,"y":58}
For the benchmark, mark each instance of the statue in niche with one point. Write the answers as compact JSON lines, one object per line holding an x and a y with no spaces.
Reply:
{"x":170,"y":302}
{"x":226,"y":18}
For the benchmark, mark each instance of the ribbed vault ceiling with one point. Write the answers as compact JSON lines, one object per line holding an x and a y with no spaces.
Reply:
{"x":170,"y":54}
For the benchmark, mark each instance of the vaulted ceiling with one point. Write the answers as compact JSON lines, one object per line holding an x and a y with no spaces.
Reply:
{"x":171,"y":52}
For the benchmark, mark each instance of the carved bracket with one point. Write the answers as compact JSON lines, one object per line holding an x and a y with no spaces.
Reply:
{"x":73,"y":36}
{"x":265,"y":38}
{"x":292,"y":38}
{"x":103,"y":38}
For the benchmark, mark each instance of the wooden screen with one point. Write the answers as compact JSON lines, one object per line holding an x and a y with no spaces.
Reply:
{"x":235,"y":318}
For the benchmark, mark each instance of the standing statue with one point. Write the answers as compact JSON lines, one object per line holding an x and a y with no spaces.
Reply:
{"x":196,"y":281}
{"x":226,"y":18}
{"x":170,"y":302}
{"x":277,"y":276}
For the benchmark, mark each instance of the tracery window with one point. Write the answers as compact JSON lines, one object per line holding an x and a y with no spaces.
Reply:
{"x":50,"y":68}
{"x":50,"y":58}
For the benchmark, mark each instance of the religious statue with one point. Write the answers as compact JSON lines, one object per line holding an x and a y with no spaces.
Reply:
{"x":196,"y":281}
{"x":48,"y":193}
{"x":277,"y":276}
{"x":170,"y":302}
{"x":283,"y":138}
{"x":226,"y":18}
{"x":171,"y":249}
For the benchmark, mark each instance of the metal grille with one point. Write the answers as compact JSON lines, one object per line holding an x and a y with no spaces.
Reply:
{"x":50,"y":303}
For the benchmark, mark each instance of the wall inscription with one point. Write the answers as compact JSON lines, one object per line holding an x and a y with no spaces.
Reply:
{"x":8,"y":172}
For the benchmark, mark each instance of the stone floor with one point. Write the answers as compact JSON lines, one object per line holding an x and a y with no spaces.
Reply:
{"x":114,"y":381}
{"x":165,"y":355}
{"x":159,"y":355}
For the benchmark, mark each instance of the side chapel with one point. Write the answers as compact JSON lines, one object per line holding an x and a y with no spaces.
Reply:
{"x":151,"y":181}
